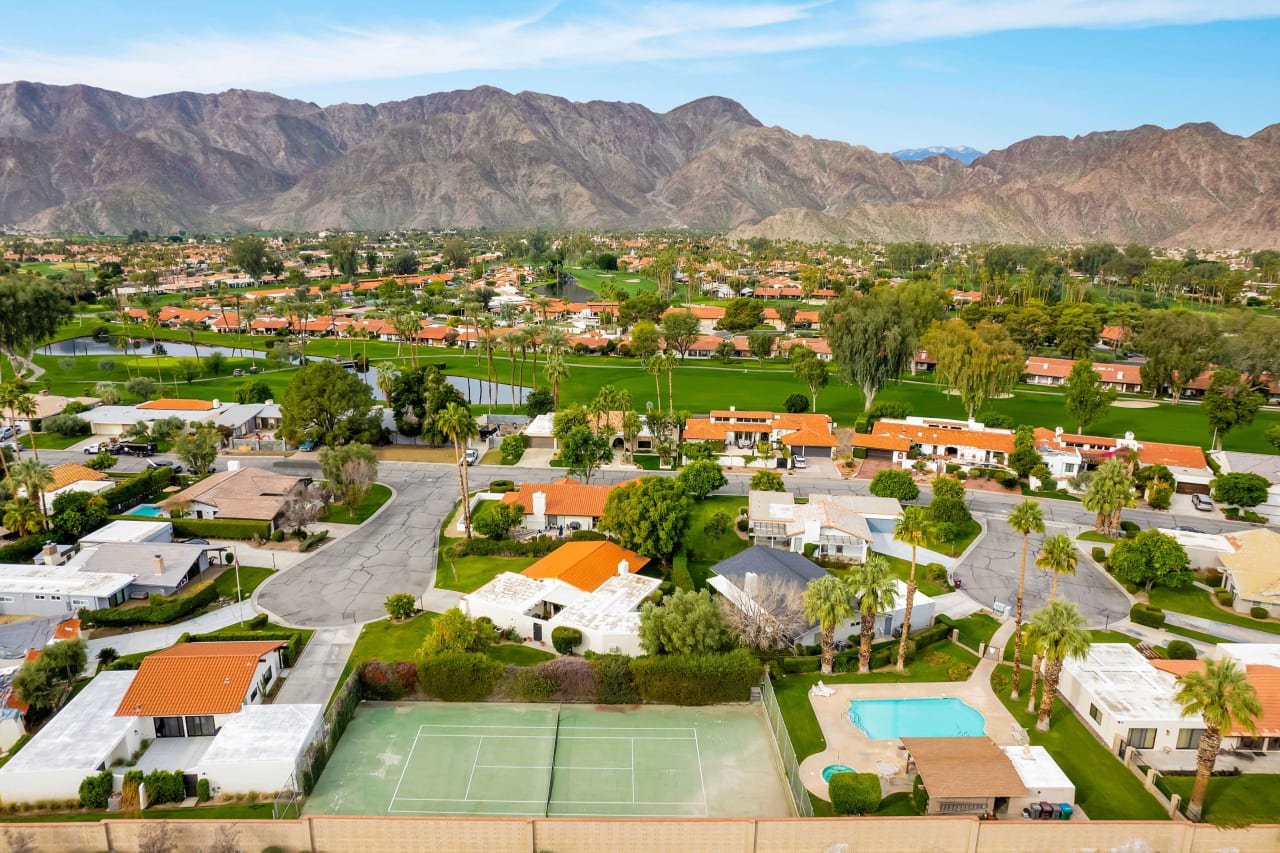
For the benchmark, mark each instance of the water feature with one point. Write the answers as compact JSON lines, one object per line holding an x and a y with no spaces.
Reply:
{"x":832,"y":769}
{"x":148,"y":510}
{"x":569,"y":290}
{"x":109,"y":346}
{"x":887,"y":719}
{"x":477,"y":392}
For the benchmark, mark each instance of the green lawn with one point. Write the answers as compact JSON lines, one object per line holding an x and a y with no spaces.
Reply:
{"x":250,"y":578}
{"x":51,"y":441}
{"x":902,"y":570}
{"x":629,"y":283}
{"x":1095,"y":536}
{"x":705,"y":551}
{"x":965,"y":535}
{"x":1194,"y":635}
{"x":1053,"y":495}
{"x":342,"y":514}
{"x":1104,"y":788}
{"x":518,"y":655}
{"x":977,"y":628}
{"x":1194,"y":601}
{"x":475,"y":572}
{"x":1232,"y":800}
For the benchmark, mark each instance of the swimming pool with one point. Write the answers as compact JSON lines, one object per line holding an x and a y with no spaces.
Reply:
{"x":886,"y":719}
{"x":149,"y":510}
{"x":832,"y":769}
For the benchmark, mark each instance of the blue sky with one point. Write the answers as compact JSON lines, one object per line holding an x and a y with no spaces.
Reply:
{"x":883,"y":73}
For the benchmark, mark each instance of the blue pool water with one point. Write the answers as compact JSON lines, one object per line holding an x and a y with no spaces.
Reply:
{"x":887,"y":719}
{"x":832,"y":769}
{"x":149,"y":510}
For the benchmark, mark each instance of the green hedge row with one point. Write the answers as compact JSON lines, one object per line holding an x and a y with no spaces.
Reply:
{"x":459,"y":676}
{"x":536,"y":547}
{"x":696,"y":679}
{"x":146,"y":486}
{"x":22,"y":550}
{"x":165,"y":786}
{"x":294,"y":640}
{"x":221,"y":528}
{"x":167,"y":610}
{"x":1145,"y":614}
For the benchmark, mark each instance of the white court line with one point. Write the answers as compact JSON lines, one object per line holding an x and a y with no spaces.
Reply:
{"x":561,"y":802}
{"x":476,"y":757}
{"x":506,"y":737}
{"x":633,"y":770}
{"x":546,"y":767}
{"x":467,"y":726}
{"x":405,"y":770}
{"x":631,"y":728}
{"x":701,"y":779}
{"x":621,"y":737}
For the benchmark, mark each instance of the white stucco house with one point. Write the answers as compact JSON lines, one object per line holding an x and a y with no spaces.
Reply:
{"x":836,"y":526}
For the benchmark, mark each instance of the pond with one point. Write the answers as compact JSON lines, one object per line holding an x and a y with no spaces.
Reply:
{"x":569,"y":290}
{"x":477,"y":392}
{"x":110,"y":346}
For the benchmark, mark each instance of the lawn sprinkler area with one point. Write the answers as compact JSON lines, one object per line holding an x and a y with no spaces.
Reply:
{"x":558,"y":761}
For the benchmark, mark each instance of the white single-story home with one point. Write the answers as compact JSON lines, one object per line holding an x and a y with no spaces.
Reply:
{"x":834,"y":525}
{"x":561,"y":505}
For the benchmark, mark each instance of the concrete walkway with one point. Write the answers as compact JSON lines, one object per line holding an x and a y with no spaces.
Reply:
{"x":1225,"y":630}
{"x":315,"y":674}
{"x":151,"y":639}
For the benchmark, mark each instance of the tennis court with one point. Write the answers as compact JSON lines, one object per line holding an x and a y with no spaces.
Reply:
{"x":536,"y":760}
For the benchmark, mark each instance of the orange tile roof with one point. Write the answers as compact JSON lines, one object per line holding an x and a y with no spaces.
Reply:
{"x":880,"y":442}
{"x":1177,"y":455}
{"x":564,"y":497}
{"x":701,"y":429}
{"x":585,"y":565}
{"x":1265,"y":681}
{"x":194,"y":678}
{"x":67,"y":630}
{"x":920,"y":434}
{"x":171,"y":404}
{"x":72,"y":472}
{"x":806,"y":436}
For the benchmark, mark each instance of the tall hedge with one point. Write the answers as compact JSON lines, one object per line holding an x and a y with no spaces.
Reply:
{"x":22,"y":550}
{"x":221,"y":528}
{"x":696,"y":679}
{"x":459,"y":676}
{"x":614,"y":685}
{"x":146,"y":486}
{"x":165,"y":786}
{"x":854,"y":793}
{"x":95,"y":790}
{"x":169,"y":610}
{"x":294,"y":639}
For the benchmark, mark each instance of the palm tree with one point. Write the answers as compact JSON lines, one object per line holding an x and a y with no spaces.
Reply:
{"x":631,"y":427}
{"x":520,"y":339}
{"x":19,"y":402}
{"x":670,"y":362}
{"x":34,"y":477}
{"x":458,"y":425}
{"x":385,"y":376}
{"x":153,"y":323}
{"x":1057,"y":630}
{"x":913,"y":528}
{"x":1058,"y":554}
{"x":827,"y":601}
{"x":510,"y":342}
{"x":22,"y":516}
{"x":875,"y":589}
{"x":1026,"y":518}
{"x":533,"y":337}
{"x":1110,"y":491}
{"x":1223,"y":696}
{"x":556,"y":371}
{"x":655,"y":364}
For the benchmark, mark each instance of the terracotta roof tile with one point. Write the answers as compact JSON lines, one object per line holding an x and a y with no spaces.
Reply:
{"x":175,"y":405}
{"x":1265,"y":681}
{"x":194,"y":678}
{"x":585,"y":565}
{"x":72,"y":472}
{"x":564,"y":497}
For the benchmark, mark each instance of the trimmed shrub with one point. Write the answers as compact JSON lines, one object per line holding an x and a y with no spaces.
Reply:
{"x":928,"y":636}
{"x":696,"y":679}
{"x":854,"y":793}
{"x":1145,"y":614}
{"x":959,"y":671}
{"x":277,"y":536}
{"x":858,"y":453}
{"x":202,"y":790}
{"x":459,"y":676}
{"x":161,"y":612}
{"x":313,"y":540}
{"x":499,"y":487}
{"x":221,"y":528}
{"x":1225,"y":597}
{"x":919,"y":796}
{"x":532,"y":686}
{"x":1130,"y":528}
{"x":540,"y":546}
{"x":400,"y":605}
{"x":792,"y":666}
{"x":999,"y":681}
{"x":587,"y":536}
{"x":66,"y":425}
{"x":614,"y":685}
{"x":565,"y":639}
{"x":894,"y":484}
{"x":1099,"y":555}
{"x":294,"y":639}
{"x":165,"y":786}
{"x":743,"y":524}
{"x":95,"y":790}
{"x":1181,"y":650}
{"x":144,"y":487}
{"x":1212,"y":579}
{"x":1259,"y":612}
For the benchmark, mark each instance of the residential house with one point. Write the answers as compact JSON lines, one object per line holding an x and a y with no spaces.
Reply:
{"x":47,"y":405}
{"x":160,"y":568}
{"x":58,"y":589}
{"x":818,"y":346}
{"x":974,"y":775}
{"x":1265,"y":465}
{"x":1042,"y":370}
{"x":704,"y":346}
{"x":708,"y":316}
{"x":249,"y":493}
{"x":922,"y":362}
{"x":116,"y":420}
{"x":1250,"y":570}
{"x":745,"y":577}
{"x":74,"y":477}
{"x":1066,"y":454}
{"x":195,"y":707}
{"x":801,"y":435}
{"x":590,"y":586}
{"x":949,"y":441}
{"x":561,"y":505}
{"x":835,"y":527}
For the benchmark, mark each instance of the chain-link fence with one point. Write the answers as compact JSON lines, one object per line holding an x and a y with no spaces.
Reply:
{"x":782,"y":739}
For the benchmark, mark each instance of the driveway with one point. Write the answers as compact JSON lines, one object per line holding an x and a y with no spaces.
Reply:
{"x":394,"y":551}
{"x":316,"y":672}
{"x":989,"y":573}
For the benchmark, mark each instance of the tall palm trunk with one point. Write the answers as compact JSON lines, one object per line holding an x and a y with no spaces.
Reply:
{"x":555,"y":394}
{"x":671,"y":388}
{"x":524,"y":356}
{"x":513,"y":380}
{"x":828,"y":649}
{"x":1052,"y":669}
{"x":159,"y":378}
{"x":906,"y":617}
{"x":868,"y":627}
{"x":535,"y":368}
{"x":657,"y":388}
{"x":191,"y":336}
{"x":1035,"y":679}
{"x":1206,"y":757}
{"x":462,"y":484}
{"x":1017,"y":623}
{"x":35,"y":451}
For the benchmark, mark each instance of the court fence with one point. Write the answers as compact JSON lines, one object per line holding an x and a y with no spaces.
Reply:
{"x":782,"y":739}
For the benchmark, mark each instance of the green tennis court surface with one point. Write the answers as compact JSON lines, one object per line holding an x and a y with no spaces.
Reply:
{"x":536,"y":760}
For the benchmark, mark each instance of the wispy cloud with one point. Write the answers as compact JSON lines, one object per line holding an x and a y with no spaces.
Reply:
{"x":695,"y":31}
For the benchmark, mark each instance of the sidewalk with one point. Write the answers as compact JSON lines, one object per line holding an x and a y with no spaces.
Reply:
{"x":315,"y":674}
{"x":151,"y":639}
{"x":995,"y":654}
{"x":1225,"y":630}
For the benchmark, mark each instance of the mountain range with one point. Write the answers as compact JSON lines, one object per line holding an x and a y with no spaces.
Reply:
{"x":963,"y":153}
{"x":77,"y":159}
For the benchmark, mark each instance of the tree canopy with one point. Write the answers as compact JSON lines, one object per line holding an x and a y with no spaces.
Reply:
{"x":1150,"y":558}
{"x":1085,"y":398}
{"x":327,"y":403}
{"x":686,"y":622}
{"x":649,"y":516}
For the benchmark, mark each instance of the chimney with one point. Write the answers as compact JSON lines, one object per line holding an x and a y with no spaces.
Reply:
{"x":217,"y":404}
{"x":733,"y":408}
{"x":157,"y":564}
{"x":51,"y":556}
{"x":624,"y":568}
{"x":1057,"y":432}
{"x":539,"y":503}
{"x":751,"y":584}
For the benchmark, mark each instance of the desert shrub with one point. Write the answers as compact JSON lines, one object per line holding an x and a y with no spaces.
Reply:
{"x":378,"y":680}
{"x":895,"y":484}
{"x":696,"y":679}
{"x":565,"y":639}
{"x":1160,"y":496}
{"x":743,"y":524}
{"x":1008,"y":480}
{"x":400,"y":605}
{"x":1000,"y":681}
{"x":574,"y":679}
{"x":95,"y":790}
{"x":1145,"y":614}
{"x":718,"y":524}
{"x":854,"y":793}
{"x":532,"y":686}
{"x":66,"y":425}
{"x":459,"y":676}
{"x":277,"y":536}
{"x":1181,"y":650}
{"x":539,"y":546}
{"x":1259,"y":612}
{"x":614,"y":684}
{"x":1130,"y":528}
{"x":936,"y":572}
{"x":1099,"y":555}
{"x":959,"y":671}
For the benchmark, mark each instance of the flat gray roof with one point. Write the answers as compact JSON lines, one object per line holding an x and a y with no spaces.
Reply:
{"x":263,"y":733}
{"x":82,"y":734}
{"x":138,"y":558}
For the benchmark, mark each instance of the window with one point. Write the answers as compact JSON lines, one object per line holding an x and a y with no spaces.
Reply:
{"x":201,"y":726}
{"x":81,"y":602}
{"x":55,"y":598}
{"x":253,"y":697}
{"x":168,"y":726}
{"x":40,"y":598}
{"x":1189,"y":738}
{"x":1142,"y":738}
{"x":1095,"y":713}
{"x":1069,"y":468}
{"x":6,"y":599}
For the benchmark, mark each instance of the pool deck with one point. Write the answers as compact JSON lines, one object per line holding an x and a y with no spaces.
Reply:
{"x":847,"y":744}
